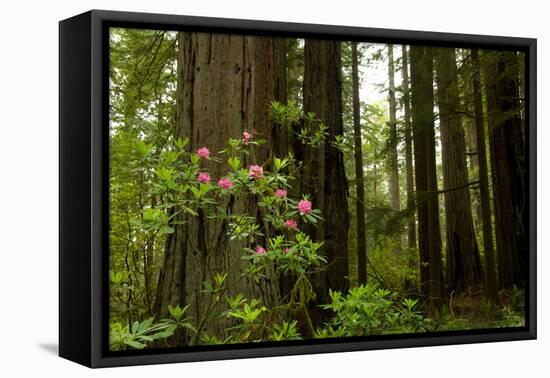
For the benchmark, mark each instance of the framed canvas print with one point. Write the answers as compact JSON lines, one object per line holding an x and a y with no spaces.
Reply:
{"x":233,"y":188}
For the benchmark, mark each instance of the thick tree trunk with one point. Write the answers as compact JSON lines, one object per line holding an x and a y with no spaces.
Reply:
{"x":325,"y":176}
{"x":464,"y":271}
{"x":508,"y":167}
{"x":312,"y":178}
{"x":485,"y":204}
{"x":359,"y":177}
{"x":225,"y":86}
{"x":429,"y":237}
{"x":411,"y":223}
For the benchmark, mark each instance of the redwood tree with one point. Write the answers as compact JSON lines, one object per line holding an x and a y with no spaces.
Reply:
{"x":429,"y":237}
{"x":508,"y":167}
{"x":485,"y":204}
{"x":324,"y":166}
{"x":359,"y":177}
{"x":394,"y":169}
{"x":225,"y":86}
{"x":411,"y":223}
{"x":464,"y":269}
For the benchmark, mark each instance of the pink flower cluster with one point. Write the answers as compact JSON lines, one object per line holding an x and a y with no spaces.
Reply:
{"x":291,"y":223}
{"x":203,"y":152}
{"x":256,"y":172}
{"x":260,"y":250}
{"x":281,"y":193}
{"x":204,"y":178}
{"x":246,"y":137}
{"x":304,"y":207}
{"x":225,"y":183}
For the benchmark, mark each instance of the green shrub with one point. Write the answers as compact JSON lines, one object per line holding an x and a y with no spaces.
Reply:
{"x":370,"y":310}
{"x":140,"y":334}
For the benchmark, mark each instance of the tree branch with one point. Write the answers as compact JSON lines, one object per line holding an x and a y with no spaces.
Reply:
{"x":467,"y":185}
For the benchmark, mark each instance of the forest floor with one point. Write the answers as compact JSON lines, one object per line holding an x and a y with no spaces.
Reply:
{"x":473,"y":311}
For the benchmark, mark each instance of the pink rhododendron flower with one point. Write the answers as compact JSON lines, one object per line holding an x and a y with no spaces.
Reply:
{"x":225,"y":183}
{"x":203,"y":152}
{"x":260,"y":250}
{"x":246,"y":137}
{"x":256,"y":172}
{"x":204,"y":178}
{"x":304,"y":207}
{"x":291,"y":223}
{"x":280,"y":193}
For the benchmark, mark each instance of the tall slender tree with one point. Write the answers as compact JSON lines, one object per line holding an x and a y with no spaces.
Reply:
{"x":280,"y":137}
{"x":472,"y":149}
{"x":394,"y":168}
{"x":359,"y":177}
{"x":464,"y":269}
{"x":411,"y":223}
{"x":429,"y":237}
{"x":508,"y":167}
{"x":486,"y":223}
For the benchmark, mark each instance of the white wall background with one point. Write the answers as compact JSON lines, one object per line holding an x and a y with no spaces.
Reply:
{"x":29,"y":189}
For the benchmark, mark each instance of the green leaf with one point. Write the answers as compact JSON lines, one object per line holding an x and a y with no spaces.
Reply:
{"x":134,"y":344}
{"x":143,"y":148}
{"x":144,"y":325}
{"x":234,"y":162}
{"x":310,"y":218}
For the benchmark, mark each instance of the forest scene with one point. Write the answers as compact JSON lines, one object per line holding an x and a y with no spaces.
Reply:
{"x":267,"y":189}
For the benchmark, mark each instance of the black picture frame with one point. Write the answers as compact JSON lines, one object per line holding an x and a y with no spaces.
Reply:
{"x":83,"y":182}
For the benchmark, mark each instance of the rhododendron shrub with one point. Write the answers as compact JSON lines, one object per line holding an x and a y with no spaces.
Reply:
{"x":274,"y":246}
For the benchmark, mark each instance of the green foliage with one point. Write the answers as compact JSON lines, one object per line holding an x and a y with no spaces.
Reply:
{"x":155,"y":220}
{"x":341,"y":144}
{"x":511,"y":318}
{"x":139,"y":334}
{"x":516,"y":298}
{"x":215,"y":285}
{"x":371,"y":310}
{"x":250,"y":323}
{"x":503,"y":317}
{"x":142,"y":110}
{"x":297,"y":257}
{"x":396,"y":272}
{"x":137,"y":84}
{"x":178,"y":318}
{"x":486,"y":308}
{"x":305,"y":126}
{"x":247,"y":320}
{"x":286,"y":331}
{"x":286,"y":115}
{"x":466,"y":315}
{"x":118,"y":278}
